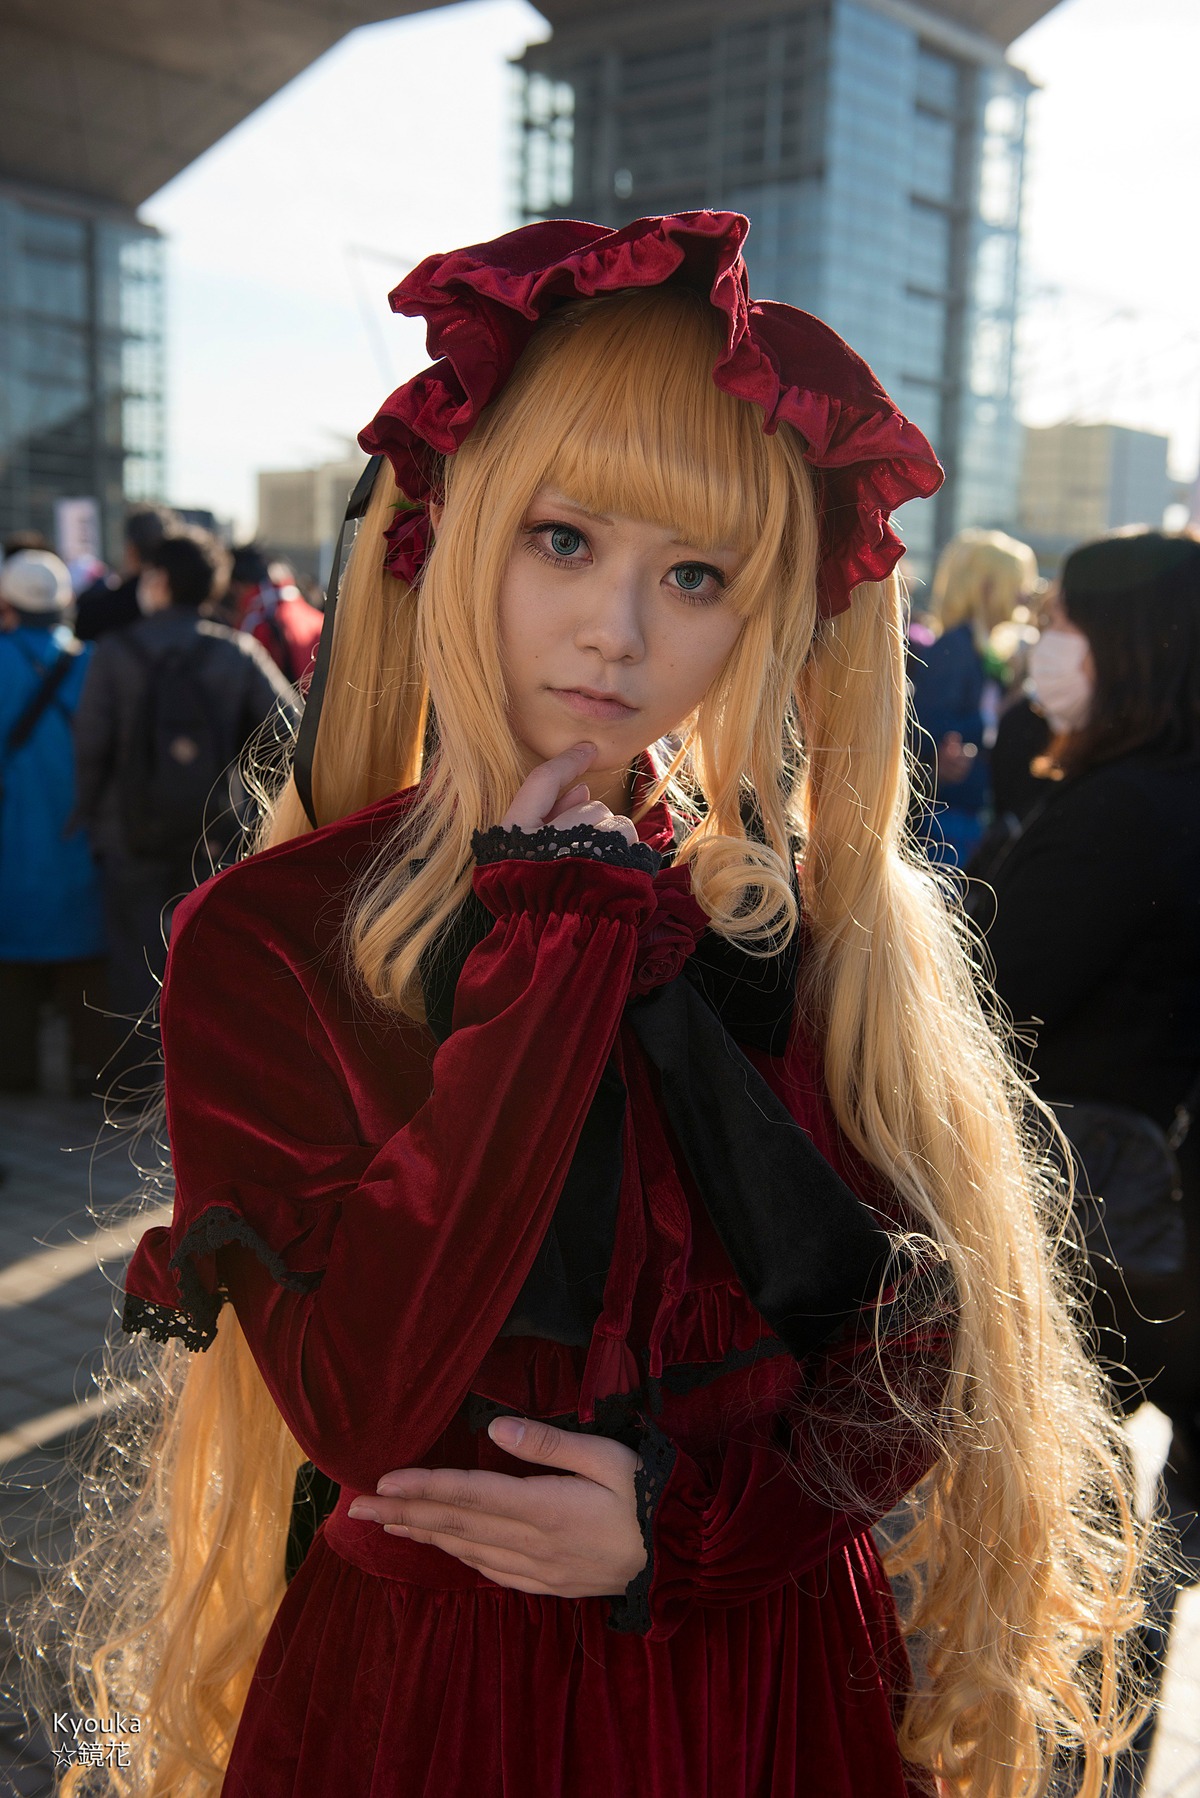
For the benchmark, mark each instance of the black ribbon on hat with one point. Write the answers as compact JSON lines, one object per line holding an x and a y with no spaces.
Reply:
{"x":807,"y":1252}
{"x":314,"y":698}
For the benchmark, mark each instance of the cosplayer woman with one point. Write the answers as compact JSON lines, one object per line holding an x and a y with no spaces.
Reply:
{"x":596,"y":1178}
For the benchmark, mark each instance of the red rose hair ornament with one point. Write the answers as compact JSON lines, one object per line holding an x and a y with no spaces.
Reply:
{"x":484,"y":303}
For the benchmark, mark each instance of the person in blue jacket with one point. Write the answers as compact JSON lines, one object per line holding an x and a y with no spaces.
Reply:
{"x":981,"y":578}
{"x":51,"y":930}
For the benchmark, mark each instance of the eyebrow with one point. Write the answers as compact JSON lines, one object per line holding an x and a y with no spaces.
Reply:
{"x":716,"y":549}
{"x":563,"y":499}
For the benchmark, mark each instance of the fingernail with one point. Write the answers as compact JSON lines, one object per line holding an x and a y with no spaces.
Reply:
{"x":358,"y":1509}
{"x":507,"y":1431}
{"x":395,"y":1529}
{"x":389,"y":1484}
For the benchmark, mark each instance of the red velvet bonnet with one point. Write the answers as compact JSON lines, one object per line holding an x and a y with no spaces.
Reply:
{"x":484,"y":303}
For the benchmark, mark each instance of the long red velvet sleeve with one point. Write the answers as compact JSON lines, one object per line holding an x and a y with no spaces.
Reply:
{"x":414,"y":1250}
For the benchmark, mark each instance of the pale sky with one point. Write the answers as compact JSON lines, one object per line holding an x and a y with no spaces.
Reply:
{"x":286,"y":236}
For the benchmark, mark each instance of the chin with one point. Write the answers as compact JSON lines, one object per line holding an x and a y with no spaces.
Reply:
{"x":551,"y":737}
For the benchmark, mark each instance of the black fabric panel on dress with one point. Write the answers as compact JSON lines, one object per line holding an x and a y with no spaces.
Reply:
{"x":754,"y":997}
{"x":690,"y":1376}
{"x":806,"y":1250}
{"x":443,"y":962}
{"x":563,"y":1294}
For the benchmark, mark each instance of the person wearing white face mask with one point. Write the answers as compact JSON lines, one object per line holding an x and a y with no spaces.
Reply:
{"x":1062,"y":672}
{"x":1095,"y":939}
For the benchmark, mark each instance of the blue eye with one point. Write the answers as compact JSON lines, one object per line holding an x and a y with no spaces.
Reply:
{"x":562,"y":545}
{"x":692,"y":580}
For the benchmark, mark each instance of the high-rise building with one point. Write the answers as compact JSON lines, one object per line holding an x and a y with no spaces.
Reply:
{"x":99,"y":106}
{"x":81,"y":358}
{"x":1080,"y":480}
{"x":877,"y":147}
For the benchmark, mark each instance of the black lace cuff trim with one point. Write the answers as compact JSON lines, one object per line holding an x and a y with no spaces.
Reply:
{"x":195,"y":1323}
{"x":163,"y":1322}
{"x":549,"y":844}
{"x":630,"y":1613}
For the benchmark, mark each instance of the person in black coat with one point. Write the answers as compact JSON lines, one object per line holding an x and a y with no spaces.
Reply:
{"x":1095,"y":932}
{"x":225,"y":686}
{"x":1093,"y":916}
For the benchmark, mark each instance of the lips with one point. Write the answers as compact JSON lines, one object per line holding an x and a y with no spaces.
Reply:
{"x":588,"y":703}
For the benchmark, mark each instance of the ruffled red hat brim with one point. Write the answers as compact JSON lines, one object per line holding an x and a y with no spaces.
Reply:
{"x":484,"y":303}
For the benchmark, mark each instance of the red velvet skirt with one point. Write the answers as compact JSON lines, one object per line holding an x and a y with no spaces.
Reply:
{"x":377,"y":1687}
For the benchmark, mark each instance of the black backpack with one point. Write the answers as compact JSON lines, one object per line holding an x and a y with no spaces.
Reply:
{"x":176,"y":757}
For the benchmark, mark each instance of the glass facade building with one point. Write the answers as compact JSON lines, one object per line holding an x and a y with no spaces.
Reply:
{"x":81,"y":360}
{"x":877,"y":151}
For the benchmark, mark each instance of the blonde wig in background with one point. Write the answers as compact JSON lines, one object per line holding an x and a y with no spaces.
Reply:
{"x":980,"y":580}
{"x":1019,"y":1567}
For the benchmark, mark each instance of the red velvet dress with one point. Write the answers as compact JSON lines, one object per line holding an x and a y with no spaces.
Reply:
{"x":371,"y":1204}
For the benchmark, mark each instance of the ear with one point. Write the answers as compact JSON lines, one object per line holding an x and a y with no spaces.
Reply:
{"x":436,"y":508}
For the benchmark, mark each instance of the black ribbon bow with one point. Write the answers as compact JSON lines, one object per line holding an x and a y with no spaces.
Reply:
{"x":807,"y":1252}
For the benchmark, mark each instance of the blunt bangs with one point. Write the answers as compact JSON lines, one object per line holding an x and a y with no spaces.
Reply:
{"x":626,"y":418}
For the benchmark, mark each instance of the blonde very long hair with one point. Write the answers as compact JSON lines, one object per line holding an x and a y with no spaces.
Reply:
{"x":1021,"y":1558}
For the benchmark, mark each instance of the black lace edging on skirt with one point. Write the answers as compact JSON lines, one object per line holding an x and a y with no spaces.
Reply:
{"x":550,"y":844}
{"x":194,"y":1323}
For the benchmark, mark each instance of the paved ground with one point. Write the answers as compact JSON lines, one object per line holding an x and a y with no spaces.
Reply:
{"x":61,"y":1172}
{"x":58,"y":1279}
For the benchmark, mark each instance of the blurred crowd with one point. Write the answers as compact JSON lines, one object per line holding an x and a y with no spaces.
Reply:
{"x":1057,"y":737}
{"x":128,"y":698}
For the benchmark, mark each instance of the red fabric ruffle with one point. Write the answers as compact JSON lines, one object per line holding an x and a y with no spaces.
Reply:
{"x":671,"y":933}
{"x":483,"y":304}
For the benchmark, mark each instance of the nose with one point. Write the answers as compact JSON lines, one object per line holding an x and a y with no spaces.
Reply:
{"x":612,"y":622}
